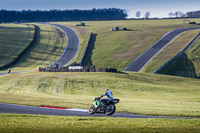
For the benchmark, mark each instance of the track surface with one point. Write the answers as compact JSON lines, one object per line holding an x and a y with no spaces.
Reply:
{"x":72,"y":47}
{"x":19,"y":109}
{"x":12,"y":72}
{"x":142,"y":60}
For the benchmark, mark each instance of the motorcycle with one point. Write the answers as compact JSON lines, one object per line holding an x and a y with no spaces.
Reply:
{"x":108,"y":108}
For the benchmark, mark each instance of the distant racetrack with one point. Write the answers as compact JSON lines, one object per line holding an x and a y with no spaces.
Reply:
{"x":71,"y":48}
{"x":72,"y":45}
{"x":142,"y":60}
{"x":4,"y":73}
{"x":19,"y":109}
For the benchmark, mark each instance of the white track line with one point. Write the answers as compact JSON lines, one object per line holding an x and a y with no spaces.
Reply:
{"x":79,"y":110}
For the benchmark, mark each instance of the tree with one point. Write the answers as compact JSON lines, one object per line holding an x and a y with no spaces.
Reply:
{"x":182,"y":14}
{"x":138,"y":14}
{"x":147,"y":15}
{"x":177,"y":14}
{"x":171,"y":14}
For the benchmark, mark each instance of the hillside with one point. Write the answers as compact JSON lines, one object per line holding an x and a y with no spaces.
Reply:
{"x":187,"y":65}
{"x":111,"y":49}
{"x":176,"y":46}
{"x":139,"y":93}
{"x":117,"y":49}
{"x":14,"y":38}
{"x":49,"y":46}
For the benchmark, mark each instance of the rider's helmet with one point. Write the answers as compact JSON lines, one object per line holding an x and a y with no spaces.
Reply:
{"x":107,"y":90}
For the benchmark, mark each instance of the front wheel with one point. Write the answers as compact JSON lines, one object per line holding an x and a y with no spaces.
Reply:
{"x":111,"y":109}
{"x":92,"y":109}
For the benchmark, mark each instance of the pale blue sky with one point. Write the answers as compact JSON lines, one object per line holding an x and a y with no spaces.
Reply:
{"x":158,"y":8}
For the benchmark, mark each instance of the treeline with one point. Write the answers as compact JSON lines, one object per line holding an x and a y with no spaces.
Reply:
{"x":193,"y":14}
{"x":178,"y":14}
{"x":62,"y":15}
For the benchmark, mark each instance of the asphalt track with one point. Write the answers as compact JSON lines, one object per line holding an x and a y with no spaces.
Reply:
{"x":143,"y":59}
{"x":20,"y":109}
{"x":72,"y":47}
{"x":13,"y":72}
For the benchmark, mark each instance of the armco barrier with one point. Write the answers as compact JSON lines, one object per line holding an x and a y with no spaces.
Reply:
{"x":176,"y":56}
{"x":81,"y":62}
{"x":78,"y":69}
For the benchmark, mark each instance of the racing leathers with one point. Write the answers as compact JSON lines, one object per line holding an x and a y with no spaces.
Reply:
{"x":109,"y":94}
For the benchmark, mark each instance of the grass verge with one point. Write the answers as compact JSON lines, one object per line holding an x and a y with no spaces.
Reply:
{"x":33,"y":123}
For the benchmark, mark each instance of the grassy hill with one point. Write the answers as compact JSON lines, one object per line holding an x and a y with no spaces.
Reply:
{"x":138,"y":92}
{"x":117,"y":49}
{"x":49,"y":46}
{"x":176,"y":46}
{"x":187,"y":65}
{"x":14,"y":38}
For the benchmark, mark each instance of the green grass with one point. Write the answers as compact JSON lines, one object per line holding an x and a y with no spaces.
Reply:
{"x":187,"y":65}
{"x":139,"y":93}
{"x":176,"y":46}
{"x":46,"y":124}
{"x":115,"y":49}
{"x":14,"y":38}
{"x":118,"y":49}
{"x":193,"y":54}
{"x":48,"y":48}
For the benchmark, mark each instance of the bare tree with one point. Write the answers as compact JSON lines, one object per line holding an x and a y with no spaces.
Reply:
{"x":182,"y":14}
{"x":147,"y":15}
{"x":138,"y":14}
{"x":171,"y":14}
{"x":177,"y":14}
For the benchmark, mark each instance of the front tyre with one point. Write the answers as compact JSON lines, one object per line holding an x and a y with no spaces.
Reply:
{"x":92,"y":109}
{"x":111,"y":109}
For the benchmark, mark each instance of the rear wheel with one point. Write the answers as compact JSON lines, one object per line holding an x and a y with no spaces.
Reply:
{"x":111,"y":109}
{"x":92,"y":109}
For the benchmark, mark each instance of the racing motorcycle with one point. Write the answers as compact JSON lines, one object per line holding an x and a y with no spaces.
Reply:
{"x":107,"y":108}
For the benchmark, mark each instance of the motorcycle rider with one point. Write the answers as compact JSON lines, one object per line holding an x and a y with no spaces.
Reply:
{"x":107,"y":93}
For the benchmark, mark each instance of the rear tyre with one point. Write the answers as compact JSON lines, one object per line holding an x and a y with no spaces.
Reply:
{"x":92,"y":109}
{"x":111,"y":109}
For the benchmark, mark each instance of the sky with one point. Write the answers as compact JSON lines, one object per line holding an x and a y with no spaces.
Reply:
{"x":157,"y":8}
